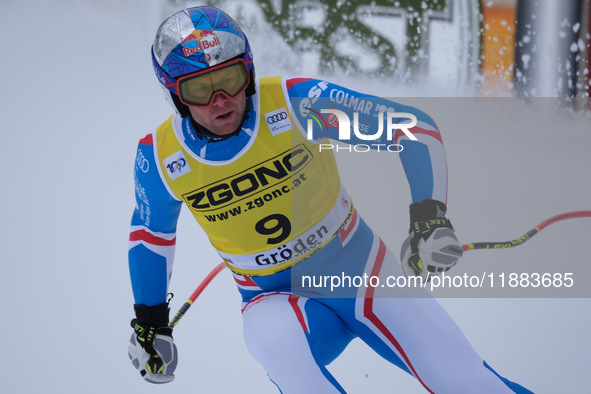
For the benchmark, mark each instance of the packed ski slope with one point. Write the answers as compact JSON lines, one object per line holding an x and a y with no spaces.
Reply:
{"x":78,"y":92}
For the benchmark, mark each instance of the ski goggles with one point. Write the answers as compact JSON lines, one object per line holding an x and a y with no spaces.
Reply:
{"x":198,"y":89}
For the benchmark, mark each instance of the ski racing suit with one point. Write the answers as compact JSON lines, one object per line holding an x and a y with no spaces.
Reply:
{"x":271,"y":202}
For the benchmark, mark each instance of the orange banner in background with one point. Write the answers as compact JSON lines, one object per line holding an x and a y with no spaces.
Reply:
{"x":498,"y":44}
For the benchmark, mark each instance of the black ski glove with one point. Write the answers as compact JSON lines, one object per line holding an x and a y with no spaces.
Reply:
{"x":151,"y":348}
{"x":432,"y":246}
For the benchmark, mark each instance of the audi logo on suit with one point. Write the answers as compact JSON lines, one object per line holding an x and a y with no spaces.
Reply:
{"x":277,"y":117}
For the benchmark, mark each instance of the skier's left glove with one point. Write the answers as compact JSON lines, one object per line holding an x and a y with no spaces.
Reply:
{"x":432,"y":246}
{"x":151,"y":348}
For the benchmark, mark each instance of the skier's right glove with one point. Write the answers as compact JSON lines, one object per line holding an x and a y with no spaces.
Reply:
{"x":151,"y":348}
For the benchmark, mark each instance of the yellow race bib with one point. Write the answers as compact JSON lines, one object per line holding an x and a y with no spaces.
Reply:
{"x":275,"y":191}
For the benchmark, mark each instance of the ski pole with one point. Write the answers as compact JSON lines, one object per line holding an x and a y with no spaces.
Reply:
{"x":529,"y":234}
{"x":196,"y":294}
{"x":466,"y":247}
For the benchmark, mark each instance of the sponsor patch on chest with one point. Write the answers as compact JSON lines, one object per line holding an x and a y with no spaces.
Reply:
{"x":176,"y":165}
{"x":278,"y":121}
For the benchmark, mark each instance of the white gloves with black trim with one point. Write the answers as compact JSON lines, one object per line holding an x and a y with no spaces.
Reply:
{"x":151,"y":348}
{"x":432,"y":246}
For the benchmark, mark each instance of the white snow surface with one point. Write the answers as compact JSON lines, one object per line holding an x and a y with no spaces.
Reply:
{"x":78,"y":92}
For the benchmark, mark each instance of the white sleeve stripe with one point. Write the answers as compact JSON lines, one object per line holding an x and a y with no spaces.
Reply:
{"x":166,"y":236}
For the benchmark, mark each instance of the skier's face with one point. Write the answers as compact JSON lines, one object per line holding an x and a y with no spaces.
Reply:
{"x":223,"y":116}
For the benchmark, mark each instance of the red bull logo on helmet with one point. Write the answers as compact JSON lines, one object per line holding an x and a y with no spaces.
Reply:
{"x":199,"y":41}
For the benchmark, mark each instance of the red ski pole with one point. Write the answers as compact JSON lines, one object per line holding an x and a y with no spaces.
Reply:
{"x":218,"y":268}
{"x":466,"y":247}
{"x":529,"y":234}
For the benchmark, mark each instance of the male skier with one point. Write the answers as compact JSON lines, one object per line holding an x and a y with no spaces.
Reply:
{"x":238,"y":153}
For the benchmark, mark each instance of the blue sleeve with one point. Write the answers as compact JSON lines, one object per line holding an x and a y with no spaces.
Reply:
{"x":152,"y":237}
{"x":324,"y":110}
